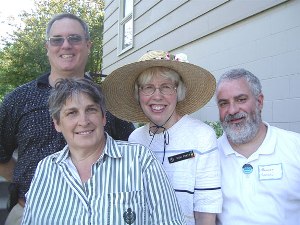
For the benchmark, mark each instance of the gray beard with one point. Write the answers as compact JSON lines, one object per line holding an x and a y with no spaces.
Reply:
{"x":245,"y":131}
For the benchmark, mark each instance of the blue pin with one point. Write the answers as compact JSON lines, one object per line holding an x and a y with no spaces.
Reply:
{"x":247,"y":169}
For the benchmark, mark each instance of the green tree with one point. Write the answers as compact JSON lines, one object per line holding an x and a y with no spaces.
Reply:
{"x":24,"y":56}
{"x":216,"y":126}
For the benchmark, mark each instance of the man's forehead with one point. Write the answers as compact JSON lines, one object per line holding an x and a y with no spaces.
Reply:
{"x":76,"y":27}
{"x":233,"y":88}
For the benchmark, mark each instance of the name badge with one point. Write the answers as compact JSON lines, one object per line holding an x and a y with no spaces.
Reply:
{"x":270,"y":172}
{"x":182,"y":156}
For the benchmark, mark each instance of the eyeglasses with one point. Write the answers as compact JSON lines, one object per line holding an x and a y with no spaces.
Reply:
{"x":59,"y":41}
{"x":165,"y":89}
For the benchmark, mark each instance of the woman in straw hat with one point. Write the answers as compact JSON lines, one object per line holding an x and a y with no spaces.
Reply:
{"x":161,"y":90}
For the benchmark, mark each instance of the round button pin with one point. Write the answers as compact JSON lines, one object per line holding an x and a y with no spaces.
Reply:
{"x":247,"y":169}
{"x":129,"y":216}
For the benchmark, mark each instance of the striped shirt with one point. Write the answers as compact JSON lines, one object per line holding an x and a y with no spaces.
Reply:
{"x":26,"y":127}
{"x":128,"y":186}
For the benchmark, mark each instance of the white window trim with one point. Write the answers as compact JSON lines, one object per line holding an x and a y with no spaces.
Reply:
{"x":122,"y":21}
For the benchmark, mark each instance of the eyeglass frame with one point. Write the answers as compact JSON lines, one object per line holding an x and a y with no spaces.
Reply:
{"x":174,"y":89}
{"x":66,"y":38}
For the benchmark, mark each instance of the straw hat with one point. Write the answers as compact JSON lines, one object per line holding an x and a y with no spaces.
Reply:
{"x":118,"y":87}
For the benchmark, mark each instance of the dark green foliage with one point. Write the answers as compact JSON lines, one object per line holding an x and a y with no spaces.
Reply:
{"x":24,"y":58}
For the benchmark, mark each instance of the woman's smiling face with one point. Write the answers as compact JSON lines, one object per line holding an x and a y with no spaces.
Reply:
{"x":81,"y":122}
{"x":158,"y":107}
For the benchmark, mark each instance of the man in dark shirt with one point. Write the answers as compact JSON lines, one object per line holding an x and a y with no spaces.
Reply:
{"x":25,"y":123}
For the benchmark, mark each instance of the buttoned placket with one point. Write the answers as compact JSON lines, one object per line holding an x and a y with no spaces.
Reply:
{"x":82,"y":190}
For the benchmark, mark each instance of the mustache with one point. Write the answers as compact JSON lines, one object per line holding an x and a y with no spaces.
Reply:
{"x":239,"y":115}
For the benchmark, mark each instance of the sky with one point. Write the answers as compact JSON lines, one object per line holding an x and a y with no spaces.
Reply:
{"x":12,"y":8}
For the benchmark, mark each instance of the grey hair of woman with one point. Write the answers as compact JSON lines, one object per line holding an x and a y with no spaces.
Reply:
{"x":69,"y":16}
{"x":73,"y":87}
{"x":241,"y":73}
{"x":167,"y":73}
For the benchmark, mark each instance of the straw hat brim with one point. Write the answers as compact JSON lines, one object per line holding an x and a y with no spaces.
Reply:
{"x":118,"y":88}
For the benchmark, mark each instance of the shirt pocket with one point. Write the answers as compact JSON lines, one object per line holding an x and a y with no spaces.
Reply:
{"x":126,"y":208}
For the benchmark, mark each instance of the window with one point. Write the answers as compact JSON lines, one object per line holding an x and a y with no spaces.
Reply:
{"x":125,"y":25}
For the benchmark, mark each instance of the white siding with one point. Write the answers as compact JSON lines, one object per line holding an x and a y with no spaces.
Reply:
{"x":259,"y":35}
{"x":266,"y":44}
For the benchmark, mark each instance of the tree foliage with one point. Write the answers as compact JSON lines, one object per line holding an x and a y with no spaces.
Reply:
{"x":24,"y":56}
{"x":216,"y":125}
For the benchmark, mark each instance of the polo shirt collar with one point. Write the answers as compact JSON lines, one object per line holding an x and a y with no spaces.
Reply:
{"x":267,"y":147}
{"x":269,"y":143}
{"x":43,"y":80}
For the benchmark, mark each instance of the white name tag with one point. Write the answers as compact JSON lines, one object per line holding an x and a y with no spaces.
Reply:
{"x":270,"y":172}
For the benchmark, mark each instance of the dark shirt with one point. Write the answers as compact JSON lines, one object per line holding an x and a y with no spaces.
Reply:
{"x":118,"y":129}
{"x":26,"y":126}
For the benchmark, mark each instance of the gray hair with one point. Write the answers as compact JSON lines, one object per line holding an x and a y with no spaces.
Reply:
{"x":66,"y":88}
{"x":240,"y":73}
{"x":69,"y":16}
{"x":167,"y":73}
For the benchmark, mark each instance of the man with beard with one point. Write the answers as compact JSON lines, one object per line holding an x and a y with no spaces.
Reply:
{"x":260,"y":163}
